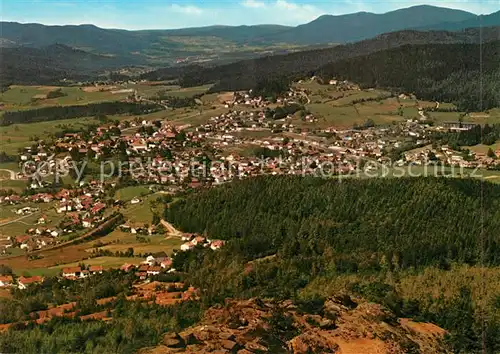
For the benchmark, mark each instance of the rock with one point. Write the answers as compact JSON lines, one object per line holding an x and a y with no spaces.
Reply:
{"x":203,"y":335}
{"x":229,"y":344}
{"x":191,"y":339}
{"x":327,"y":324}
{"x":226,"y":336}
{"x":244,"y":351}
{"x":173,"y":340}
{"x":255,"y":347}
{"x":345,"y":300}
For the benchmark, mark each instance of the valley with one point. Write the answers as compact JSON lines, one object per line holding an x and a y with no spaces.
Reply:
{"x":326,"y":187}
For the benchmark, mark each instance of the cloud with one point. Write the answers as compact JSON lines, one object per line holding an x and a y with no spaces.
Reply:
{"x":290,"y":13}
{"x":297,"y":13}
{"x":195,"y":13}
{"x":187,"y":9}
{"x":253,"y":4}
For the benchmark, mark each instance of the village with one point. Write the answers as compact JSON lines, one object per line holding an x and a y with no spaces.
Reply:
{"x":72,"y":181}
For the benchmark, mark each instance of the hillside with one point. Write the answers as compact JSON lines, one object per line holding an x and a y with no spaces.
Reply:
{"x":246,"y":74}
{"x":286,"y":233}
{"x":477,"y":21}
{"x":434,"y":72}
{"x":363,"y":25}
{"x":222,"y":43}
{"x":48,"y":65}
{"x":339,"y":325}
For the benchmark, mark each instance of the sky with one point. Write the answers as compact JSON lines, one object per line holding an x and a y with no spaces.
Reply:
{"x":166,"y":14}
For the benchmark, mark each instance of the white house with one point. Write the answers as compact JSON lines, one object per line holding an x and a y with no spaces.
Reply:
{"x":5,"y":281}
{"x":135,"y":201}
{"x":187,"y":246}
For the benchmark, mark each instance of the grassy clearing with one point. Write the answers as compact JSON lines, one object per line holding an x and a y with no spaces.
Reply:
{"x":128,"y":193}
{"x":31,"y":97}
{"x":19,"y":136}
{"x":156,"y":243}
{"x":18,"y":228}
{"x":189,"y":91}
{"x":16,"y":185}
{"x":119,"y":241}
{"x":106,"y":262}
{"x":483,"y":149}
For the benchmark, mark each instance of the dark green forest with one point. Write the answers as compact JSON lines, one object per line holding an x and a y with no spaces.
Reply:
{"x":67,"y":112}
{"x":449,"y":73}
{"x":435,"y":65}
{"x":285,"y":232}
{"x":424,"y":221}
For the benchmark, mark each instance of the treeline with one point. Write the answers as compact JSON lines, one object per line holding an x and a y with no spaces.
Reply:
{"x":487,"y":135}
{"x":281,"y":112}
{"x":417,"y":65}
{"x":286,"y":233}
{"x":67,"y":112}
{"x":438,"y":72}
{"x":422,"y":221}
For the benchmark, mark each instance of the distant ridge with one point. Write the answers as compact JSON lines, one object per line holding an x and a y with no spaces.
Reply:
{"x":324,"y":29}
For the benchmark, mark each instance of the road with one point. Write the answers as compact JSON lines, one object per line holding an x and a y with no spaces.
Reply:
{"x":18,"y":219}
{"x":171,"y":230}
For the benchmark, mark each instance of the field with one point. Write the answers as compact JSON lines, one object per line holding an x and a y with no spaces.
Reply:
{"x":13,"y":224}
{"x":119,"y":241}
{"x":31,"y":97}
{"x":18,"y":136}
{"x":128,"y":193}
{"x":106,"y":262}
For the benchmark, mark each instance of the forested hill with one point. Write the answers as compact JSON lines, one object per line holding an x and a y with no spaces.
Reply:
{"x":421,"y":220}
{"x":245,"y":74}
{"x":287,"y":235}
{"x":435,"y":72}
{"x":51,"y":64}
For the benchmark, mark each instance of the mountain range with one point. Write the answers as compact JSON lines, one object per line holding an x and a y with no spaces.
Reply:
{"x":219,"y":43}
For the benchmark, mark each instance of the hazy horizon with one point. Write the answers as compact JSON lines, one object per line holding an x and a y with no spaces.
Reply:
{"x":153,"y":15}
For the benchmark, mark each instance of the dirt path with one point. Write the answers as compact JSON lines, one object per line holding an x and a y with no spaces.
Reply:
{"x":12,"y":173}
{"x":18,"y":219}
{"x":171,"y":230}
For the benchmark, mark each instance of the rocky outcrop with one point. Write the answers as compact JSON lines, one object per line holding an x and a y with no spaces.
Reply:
{"x":342,"y":325}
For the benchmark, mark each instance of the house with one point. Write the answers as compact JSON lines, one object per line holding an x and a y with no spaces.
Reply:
{"x":96,"y":270}
{"x":187,"y":246}
{"x":198,"y":240}
{"x":166,"y":262}
{"x":6,"y":280}
{"x":72,"y":272}
{"x":150,"y":260}
{"x":135,"y":201}
{"x":24,"y":282}
{"x":216,"y":244}
{"x":97,"y":208}
{"x":87,"y":222}
{"x":154,"y":270}
{"x":187,"y":237}
{"x":127,"y":267}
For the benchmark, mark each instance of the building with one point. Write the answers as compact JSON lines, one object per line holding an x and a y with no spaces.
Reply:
{"x":6,"y":280}
{"x":96,"y":270}
{"x":72,"y":272}
{"x":187,"y":246}
{"x":24,"y":282}
{"x":154,"y":270}
{"x":216,"y":244}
